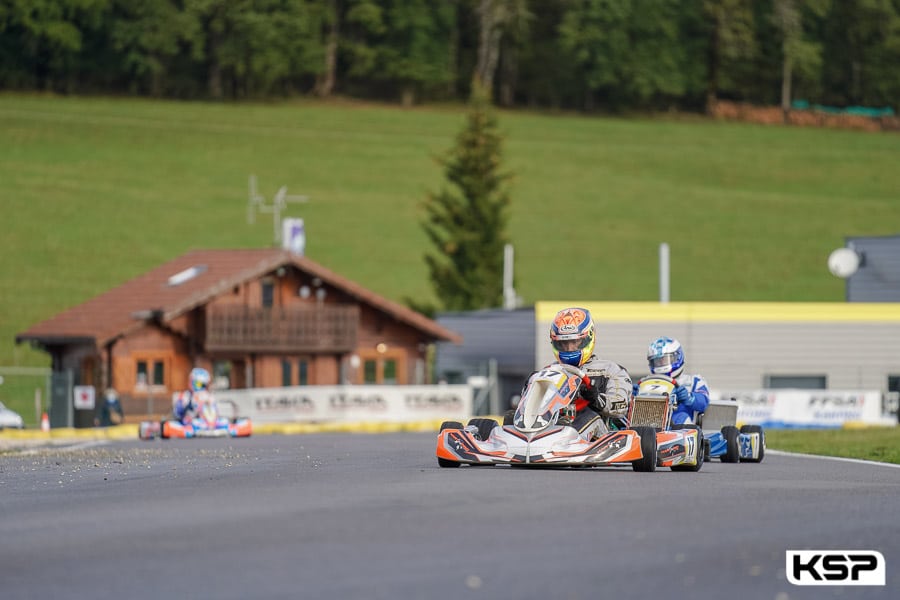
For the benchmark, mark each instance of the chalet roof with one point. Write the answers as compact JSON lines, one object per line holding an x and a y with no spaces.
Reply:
{"x":204,"y":274}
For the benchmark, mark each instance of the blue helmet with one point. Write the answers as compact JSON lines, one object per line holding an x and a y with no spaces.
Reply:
{"x":199,"y":379}
{"x":572,"y":336}
{"x":666,"y":357}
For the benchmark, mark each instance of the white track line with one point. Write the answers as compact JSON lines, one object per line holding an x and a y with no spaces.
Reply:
{"x":840,"y":458}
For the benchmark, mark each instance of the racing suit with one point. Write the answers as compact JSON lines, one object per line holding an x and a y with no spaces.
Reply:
{"x":186,"y":404}
{"x":606,"y":398}
{"x":697,"y":402}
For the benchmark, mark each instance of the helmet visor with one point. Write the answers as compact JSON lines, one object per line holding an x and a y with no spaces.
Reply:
{"x":659,"y":362}
{"x":571,"y":345}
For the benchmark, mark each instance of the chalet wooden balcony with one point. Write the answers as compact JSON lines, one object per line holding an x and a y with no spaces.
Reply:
{"x":297,"y":330}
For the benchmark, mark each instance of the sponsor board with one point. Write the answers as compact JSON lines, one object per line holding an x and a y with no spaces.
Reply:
{"x":396,"y":404}
{"x":805,"y":408}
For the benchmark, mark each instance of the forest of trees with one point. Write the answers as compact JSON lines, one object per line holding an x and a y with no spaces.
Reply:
{"x":590,"y":55}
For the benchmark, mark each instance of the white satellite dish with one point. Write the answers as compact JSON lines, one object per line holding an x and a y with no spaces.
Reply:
{"x":843,"y":262}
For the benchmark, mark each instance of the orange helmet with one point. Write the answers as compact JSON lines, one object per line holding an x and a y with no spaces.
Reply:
{"x":572,"y":336}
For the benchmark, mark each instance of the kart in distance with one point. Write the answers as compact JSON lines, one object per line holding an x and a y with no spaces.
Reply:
{"x":207,"y":422}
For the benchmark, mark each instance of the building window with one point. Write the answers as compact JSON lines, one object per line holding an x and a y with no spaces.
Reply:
{"x":803,"y":382}
{"x":390,"y":371}
{"x":141,"y":378}
{"x":302,"y":372}
{"x":286,"y":373}
{"x":382,"y":367}
{"x":268,"y":294}
{"x":149,"y":372}
{"x":222,"y":374}
{"x":894,"y":383}
{"x":369,"y":371}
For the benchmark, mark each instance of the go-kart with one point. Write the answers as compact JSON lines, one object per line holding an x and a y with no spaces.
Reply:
{"x":207,"y":422}
{"x":679,"y":447}
{"x":540,"y":432}
{"x":726,"y":442}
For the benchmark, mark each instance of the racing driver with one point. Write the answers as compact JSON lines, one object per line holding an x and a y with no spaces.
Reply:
{"x":187,"y":404}
{"x":607,"y":390}
{"x":666,"y":357}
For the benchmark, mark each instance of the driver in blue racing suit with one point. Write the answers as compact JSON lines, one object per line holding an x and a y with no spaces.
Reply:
{"x":186,"y":404}
{"x":666,"y":357}
{"x":606,"y":392}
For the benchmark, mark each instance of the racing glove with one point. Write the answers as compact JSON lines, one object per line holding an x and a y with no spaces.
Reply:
{"x":684,"y":396}
{"x":589,"y":392}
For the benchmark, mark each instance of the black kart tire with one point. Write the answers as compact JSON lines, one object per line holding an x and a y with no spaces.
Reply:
{"x":509,"y":416}
{"x":732,"y":444}
{"x":762,"y":442}
{"x":162,"y":430}
{"x":648,"y":448}
{"x":701,"y":452}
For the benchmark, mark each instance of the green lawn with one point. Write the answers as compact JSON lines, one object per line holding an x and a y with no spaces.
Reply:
{"x":872,"y":443}
{"x":96,"y":191}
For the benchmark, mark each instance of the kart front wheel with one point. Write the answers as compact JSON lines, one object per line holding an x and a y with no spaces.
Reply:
{"x":732,"y":454}
{"x":445,"y":462}
{"x":762,"y":442}
{"x":646,"y":464}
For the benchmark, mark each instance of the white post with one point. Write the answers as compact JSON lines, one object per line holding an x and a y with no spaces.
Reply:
{"x":664,"y":273}
{"x":509,"y":293}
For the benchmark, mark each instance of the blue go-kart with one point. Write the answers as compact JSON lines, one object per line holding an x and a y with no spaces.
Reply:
{"x":725,"y":441}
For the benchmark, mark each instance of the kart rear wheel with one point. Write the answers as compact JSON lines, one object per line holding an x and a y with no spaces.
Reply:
{"x":485,"y":427}
{"x":444,"y":462}
{"x":762,"y":442}
{"x":646,"y":464}
{"x":509,"y":416}
{"x":701,"y":452}
{"x":732,"y":446}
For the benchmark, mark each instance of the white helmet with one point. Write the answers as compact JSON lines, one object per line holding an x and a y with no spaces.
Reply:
{"x":666,"y":357}
{"x":199,"y":379}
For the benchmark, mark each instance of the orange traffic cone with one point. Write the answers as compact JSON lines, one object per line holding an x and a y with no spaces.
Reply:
{"x":45,"y":422}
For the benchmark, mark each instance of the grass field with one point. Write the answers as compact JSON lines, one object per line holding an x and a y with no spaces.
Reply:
{"x":873,"y":443}
{"x":97,"y":191}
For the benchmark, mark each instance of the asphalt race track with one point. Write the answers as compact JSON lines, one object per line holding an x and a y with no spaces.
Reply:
{"x":347,"y":516}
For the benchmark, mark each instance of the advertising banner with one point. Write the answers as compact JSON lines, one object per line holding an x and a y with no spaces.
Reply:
{"x":806,"y":408}
{"x":356,"y":403}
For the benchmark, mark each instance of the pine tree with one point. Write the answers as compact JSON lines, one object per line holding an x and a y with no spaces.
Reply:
{"x":467,"y":225}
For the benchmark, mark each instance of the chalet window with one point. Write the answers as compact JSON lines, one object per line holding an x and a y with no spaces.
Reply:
{"x":286,"y":373}
{"x":390,"y":371}
{"x":381,"y":365}
{"x":141,"y":378}
{"x":268,"y":294}
{"x":302,"y":372}
{"x":369,"y":371}
{"x":150,"y":373}
{"x":222,"y":374}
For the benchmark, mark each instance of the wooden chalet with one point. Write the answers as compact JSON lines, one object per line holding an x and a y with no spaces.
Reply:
{"x":253,"y":318}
